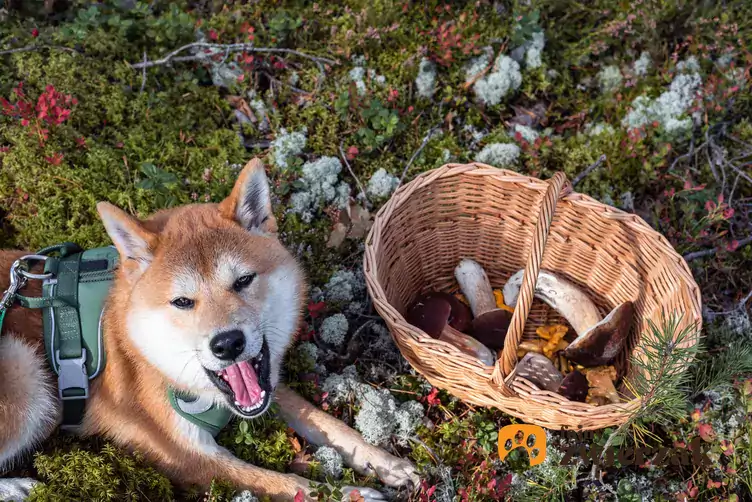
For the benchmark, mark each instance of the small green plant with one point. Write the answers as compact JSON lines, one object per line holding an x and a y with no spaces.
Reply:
{"x":161,"y":183}
{"x":283,"y":23}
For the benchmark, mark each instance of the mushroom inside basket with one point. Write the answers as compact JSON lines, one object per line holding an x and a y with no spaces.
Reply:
{"x":574,"y":358}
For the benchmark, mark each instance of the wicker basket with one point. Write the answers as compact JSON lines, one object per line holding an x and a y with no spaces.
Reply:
{"x":492,"y":216}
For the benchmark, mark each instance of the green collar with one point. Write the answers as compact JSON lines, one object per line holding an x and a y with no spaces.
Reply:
{"x":75,"y":287}
{"x":202,"y":412}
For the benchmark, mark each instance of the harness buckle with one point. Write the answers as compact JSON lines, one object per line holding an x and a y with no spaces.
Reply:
{"x":72,"y":375}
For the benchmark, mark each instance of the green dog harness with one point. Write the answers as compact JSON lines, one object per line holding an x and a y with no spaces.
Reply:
{"x":75,"y":287}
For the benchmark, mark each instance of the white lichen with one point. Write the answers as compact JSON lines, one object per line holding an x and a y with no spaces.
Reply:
{"x":344,"y":286}
{"x":341,"y":387}
{"x":503,"y":79}
{"x":598,"y":129}
{"x":379,"y":417}
{"x":527,"y":133}
{"x":309,"y":350}
{"x":425,"y":82}
{"x":381,"y":184}
{"x":670,"y":108}
{"x":502,"y":155}
{"x":287,"y":145}
{"x":320,"y":186}
{"x":357,"y":75}
{"x":534,"y":52}
{"x":259,"y":109}
{"x":245,"y":496}
{"x":334,"y":329}
{"x":642,"y":65}
{"x":478,"y":64}
{"x":610,"y":79}
{"x":330,"y":461}
{"x":408,"y":417}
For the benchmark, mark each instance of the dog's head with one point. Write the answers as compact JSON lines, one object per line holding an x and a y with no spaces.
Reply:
{"x":214,"y":297}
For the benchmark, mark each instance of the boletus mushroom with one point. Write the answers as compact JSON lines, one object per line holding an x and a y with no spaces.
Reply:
{"x":540,"y":370}
{"x":442,"y":316}
{"x":600,"y":345}
{"x":490,"y":323}
{"x":561,"y":295}
{"x":574,"y":387}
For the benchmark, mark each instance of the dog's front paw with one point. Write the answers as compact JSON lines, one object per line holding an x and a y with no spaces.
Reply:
{"x":396,"y":472}
{"x":16,"y":489}
{"x":357,"y":494}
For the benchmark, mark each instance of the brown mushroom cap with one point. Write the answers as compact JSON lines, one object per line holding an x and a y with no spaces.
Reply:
{"x":433,"y":311}
{"x":574,"y":387}
{"x":600,"y":345}
{"x":490,"y":328}
{"x":540,"y":370}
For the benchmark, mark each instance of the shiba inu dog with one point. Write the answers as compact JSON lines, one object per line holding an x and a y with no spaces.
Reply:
{"x":207,"y":300}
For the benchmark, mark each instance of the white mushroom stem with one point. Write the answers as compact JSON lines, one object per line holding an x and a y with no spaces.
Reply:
{"x":475,"y":286}
{"x":561,"y":295}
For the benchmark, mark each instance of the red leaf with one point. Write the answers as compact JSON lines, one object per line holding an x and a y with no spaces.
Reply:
{"x":213,"y":36}
{"x":706,"y":432}
{"x":35,"y":33}
{"x":315,"y":309}
{"x":732,"y":246}
{"x":431,"y":398}
{"x":300,"y":496}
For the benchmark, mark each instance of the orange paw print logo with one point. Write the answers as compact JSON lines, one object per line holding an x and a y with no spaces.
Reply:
{"x":530,"y":437}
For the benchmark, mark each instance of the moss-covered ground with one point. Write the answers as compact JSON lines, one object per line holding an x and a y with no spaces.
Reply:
{"x":352,"y":93}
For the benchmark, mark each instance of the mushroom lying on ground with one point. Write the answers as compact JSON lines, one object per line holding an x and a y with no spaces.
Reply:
{"x":561,"y":295}
{"x":601,"y":344}
{"x":442,"y":317}
{"x":540,"y":370}
{"x":491,"y":323}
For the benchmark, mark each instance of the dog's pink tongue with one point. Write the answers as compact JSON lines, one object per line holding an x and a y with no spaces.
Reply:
{"x":244,"y":383}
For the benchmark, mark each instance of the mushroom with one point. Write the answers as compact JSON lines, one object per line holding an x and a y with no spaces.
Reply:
{"x":561,"y":295}
{"x":600,"y":345}
{"x":441,"y":316}
{"x":601,"y":381}
{"x":540,"y":370}
{"x":574,"y":387}
{"x":490,"y":323}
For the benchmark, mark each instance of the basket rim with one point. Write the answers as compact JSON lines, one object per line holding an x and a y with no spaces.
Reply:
{"x":403,"y":193}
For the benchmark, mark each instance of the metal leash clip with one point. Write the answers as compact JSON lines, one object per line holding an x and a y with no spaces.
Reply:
{"x":17,"y":282}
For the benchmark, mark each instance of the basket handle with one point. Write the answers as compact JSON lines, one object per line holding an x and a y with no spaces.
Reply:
{"x":508,"y":355}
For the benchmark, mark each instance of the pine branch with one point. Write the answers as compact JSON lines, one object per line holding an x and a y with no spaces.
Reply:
{"x":660,"y":380}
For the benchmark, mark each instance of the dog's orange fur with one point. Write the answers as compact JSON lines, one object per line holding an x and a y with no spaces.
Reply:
{"x":128,"y":401}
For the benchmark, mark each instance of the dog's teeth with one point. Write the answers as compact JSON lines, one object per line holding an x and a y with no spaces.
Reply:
{"x":237,"y":403}
{"x":263,"y":394}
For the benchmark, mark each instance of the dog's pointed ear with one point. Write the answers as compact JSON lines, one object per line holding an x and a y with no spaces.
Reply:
{"x":134,"y":242}
{"x":249,"y":203}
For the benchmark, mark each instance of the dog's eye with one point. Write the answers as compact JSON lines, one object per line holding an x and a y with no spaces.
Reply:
{"x":243,"y":282}
{"x":183,"y":303}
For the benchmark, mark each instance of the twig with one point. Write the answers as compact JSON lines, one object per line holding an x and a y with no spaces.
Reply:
{"x":31,"y":48}
{"x":739,"y":171}
{"x":347,"y":164}
{"x":710,"y":252}
{"x":426,"y":139}
{"x":228,"y":49}
{"x":143,"y":76}
{"x":589,"y":170}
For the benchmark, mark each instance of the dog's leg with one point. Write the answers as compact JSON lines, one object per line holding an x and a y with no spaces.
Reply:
{"x":321,"y":428}
{"x":209,"y":460}
{"x":29,"y":409}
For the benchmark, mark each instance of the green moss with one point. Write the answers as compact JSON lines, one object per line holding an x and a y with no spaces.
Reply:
{"x":110,"y":474}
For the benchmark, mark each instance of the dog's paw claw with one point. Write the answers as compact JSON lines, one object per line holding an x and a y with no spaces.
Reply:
{"x":16,"y":489}
{"x":367,"y":494}
{"x":401,"y":473}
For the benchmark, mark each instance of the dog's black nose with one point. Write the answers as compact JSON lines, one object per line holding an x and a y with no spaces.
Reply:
{"x":228,"y":345}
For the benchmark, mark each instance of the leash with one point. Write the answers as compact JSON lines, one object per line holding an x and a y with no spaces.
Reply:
{"x":75,"y":286}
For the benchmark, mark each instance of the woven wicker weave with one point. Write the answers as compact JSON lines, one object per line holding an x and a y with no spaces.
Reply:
{"x":506,"y":222}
